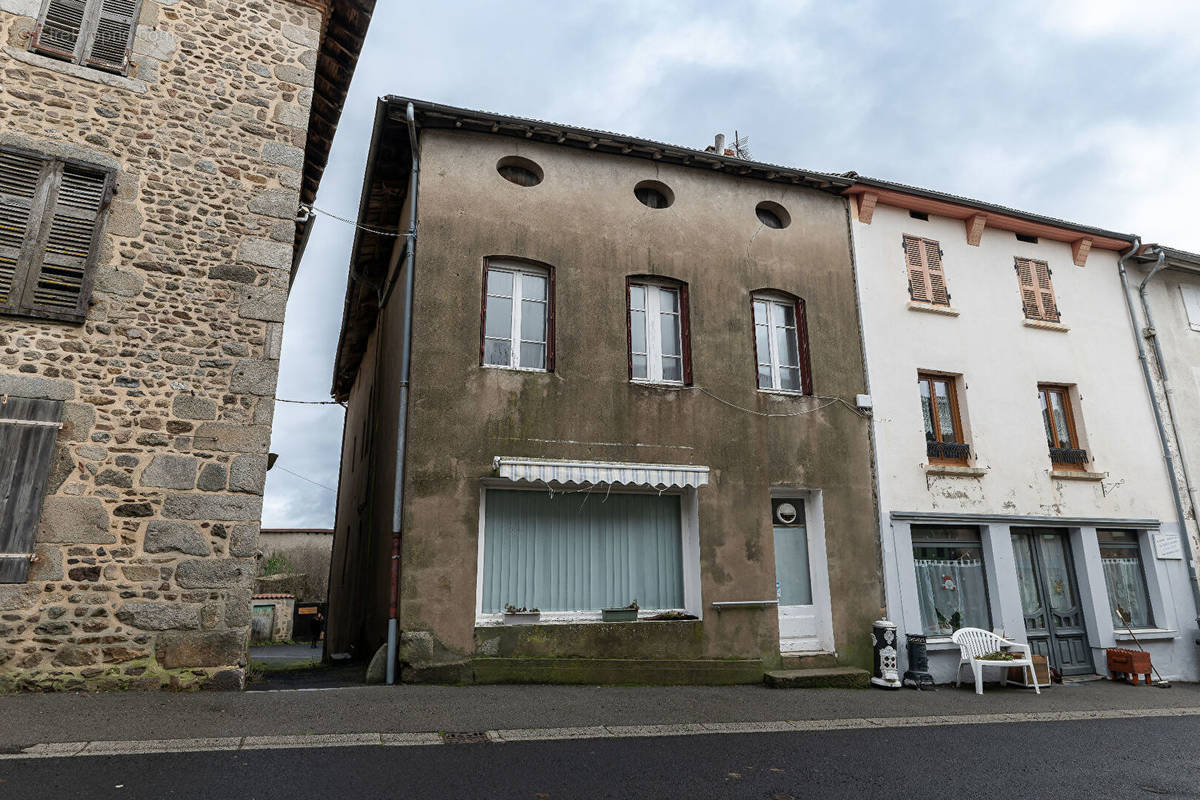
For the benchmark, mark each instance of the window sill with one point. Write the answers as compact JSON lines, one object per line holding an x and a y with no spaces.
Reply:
{"x":576,"y":618}
{"x":657,"y":384}
{"x":1077,"y":475}
{"x":932,"y":308}
{"x":956,"y":470}
{"x":516,"y":369}
{"x":1045,"y":325}
{"x":781,"y":393}
{"x":1145,"y":634}
{"x":77,"y":71}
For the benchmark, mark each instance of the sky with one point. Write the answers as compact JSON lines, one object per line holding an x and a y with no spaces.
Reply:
{"x":1087,"y":110}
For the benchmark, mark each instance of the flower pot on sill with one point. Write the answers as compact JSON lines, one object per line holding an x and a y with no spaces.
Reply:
{"x":619,"y":614}
{"x":522,"y":617}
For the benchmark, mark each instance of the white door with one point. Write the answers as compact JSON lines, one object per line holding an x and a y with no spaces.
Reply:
{"x":801,"y":584}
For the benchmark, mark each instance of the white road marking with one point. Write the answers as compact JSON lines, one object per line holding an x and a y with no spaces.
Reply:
{"x":306,"y":741}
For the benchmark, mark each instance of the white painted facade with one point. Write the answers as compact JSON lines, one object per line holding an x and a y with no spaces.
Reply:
{"x":1000,"y":358}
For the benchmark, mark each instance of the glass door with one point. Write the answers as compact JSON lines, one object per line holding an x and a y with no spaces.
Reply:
{"x":1054,"y":622}
{"x":799,"y":625}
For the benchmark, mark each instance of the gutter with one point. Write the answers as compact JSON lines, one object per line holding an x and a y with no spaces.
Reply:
{"x":402,"y":413}
{"x":1154,"y":405}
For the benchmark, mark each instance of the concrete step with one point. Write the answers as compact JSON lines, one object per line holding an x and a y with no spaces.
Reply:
{"x":662,"y":672}
{"x":809,"y":661}
{"x":818,"y":678}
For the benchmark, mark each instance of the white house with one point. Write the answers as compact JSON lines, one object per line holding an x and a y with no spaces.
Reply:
{"x":1022,"y":487}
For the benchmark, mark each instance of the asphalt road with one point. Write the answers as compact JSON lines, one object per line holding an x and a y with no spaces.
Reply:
{"x":1133,"y":758}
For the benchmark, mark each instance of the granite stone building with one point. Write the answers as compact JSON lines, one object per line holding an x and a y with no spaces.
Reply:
{"x":153,"y":156}
{"x":635,"y":372}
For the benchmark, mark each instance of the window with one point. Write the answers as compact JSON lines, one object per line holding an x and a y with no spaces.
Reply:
{"x":555,"y":553}
{"x":772,"y":215}
{"x":943,"y":426}
{"x":1059,"y":421}
{"x":50,"y":214}
{"x":94,"y":33}
{"x":921,"y":215}
{"x":951,"y":585}
{"x":1027,"y":238}
{"x":654,"y":194}
{"x":926,"y":280}
{"x":1125,"y":577}
{"x":659,"y":335}
{"x":1191,"y":304}
{"x":27,"y":434}
{"x":520,"y":171}
{"x":518,"y":317}
{"x":781,"y":344}
{"x":1037,"y":293}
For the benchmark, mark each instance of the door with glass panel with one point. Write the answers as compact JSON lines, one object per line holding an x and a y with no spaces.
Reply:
{"x":802,"y":606}
{"x":1050,"y":600}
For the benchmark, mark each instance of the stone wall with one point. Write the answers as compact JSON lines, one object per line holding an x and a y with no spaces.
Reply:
{"x":145,"y":552}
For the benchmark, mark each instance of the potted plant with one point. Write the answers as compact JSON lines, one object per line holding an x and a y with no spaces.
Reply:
{"x":627,"y":614}
{"x":998,"y":655}
{"x":521,"y":616}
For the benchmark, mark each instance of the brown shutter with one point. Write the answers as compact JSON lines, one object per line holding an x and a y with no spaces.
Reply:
{"x":25,"y":452}
{"x":483,"y":312}
{"x":685,"y":333}
{"x":110,"y":44}
{"x":21,"y":176}
{"x":551,"y":315}
{"x":60,"y":28}
{"x":754,"y":343}
{"x":628,"y":330}
{"x":63,"y":281}
{"x":918,"y":276}
{"x":806,"y":385}
{"x":1045,"y":290}
{"x":1029,"y":293}
{"x":937,"y":278}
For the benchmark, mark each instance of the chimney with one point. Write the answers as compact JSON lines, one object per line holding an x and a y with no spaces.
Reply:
{"x":720,"y":144}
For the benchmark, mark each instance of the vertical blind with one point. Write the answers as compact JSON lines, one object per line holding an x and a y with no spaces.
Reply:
{"x":581,"y":551}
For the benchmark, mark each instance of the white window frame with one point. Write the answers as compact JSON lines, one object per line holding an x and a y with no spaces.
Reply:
{"x":514,"y":333}
{"x":689,"y":525}
{"x":772,"y":345}
{"x":653,"y":332}
{"x":1191,"y":304}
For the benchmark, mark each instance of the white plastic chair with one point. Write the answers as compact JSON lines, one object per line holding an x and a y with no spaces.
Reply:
{"x":974,"y":642}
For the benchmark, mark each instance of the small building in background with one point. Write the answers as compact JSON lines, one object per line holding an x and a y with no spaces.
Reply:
{"x":295,"y":560}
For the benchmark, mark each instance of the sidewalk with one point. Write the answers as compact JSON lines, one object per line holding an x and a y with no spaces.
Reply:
{"x":133,"y":716}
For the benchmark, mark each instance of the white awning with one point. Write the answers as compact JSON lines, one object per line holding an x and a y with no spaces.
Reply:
{"x":599,"y":473}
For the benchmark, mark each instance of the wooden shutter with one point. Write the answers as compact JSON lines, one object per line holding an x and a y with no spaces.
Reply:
{"x":937,"y":278}
{"x":21,"y":178}
{"x":60,"y":28}
{"x":551,"y":319}
{"x":685,"y":333}
{"x":806,"y":385}
{"x":25,"y":452}
{"x":112,"y":39}
{"x":1037,"y":292}
{"x":918,"y":276}
{"x":62,"y":281}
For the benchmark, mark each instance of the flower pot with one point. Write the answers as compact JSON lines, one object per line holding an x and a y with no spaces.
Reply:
{"x":522,"y":618}
{"x":619,"y":614}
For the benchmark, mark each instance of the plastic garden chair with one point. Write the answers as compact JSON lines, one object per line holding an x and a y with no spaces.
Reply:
{"x":975,"y":642}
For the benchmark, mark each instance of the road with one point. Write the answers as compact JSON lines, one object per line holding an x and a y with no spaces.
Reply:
{"x":1115,"y":758}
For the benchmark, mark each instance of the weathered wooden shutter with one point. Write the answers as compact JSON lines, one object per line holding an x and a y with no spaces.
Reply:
{"x":113,"y":38}
{"x":60,"y":28}
{"x":20,"y":179}
{"x":918,"y":277}
{"x":63,"y":279}
{"x":1045,"y":290}
{"x":685,"y":333}
{"x":937,"y":277}
{"x":28,"y":429}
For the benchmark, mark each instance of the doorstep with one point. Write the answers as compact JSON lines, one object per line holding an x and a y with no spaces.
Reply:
{"x":818,"y":678}
{"x":615,"y":671}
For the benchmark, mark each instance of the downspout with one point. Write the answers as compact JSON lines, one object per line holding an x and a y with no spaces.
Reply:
{"x":402,"y":413}
{"x":1154,"y":405}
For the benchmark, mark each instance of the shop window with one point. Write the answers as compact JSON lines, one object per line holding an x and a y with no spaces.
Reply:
{"x":1125,"y":578}
{"x":943,"y":425}
{"x":951,"y":584}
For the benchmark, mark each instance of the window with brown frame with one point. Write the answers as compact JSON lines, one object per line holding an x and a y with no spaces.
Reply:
{"x":1037,"y":292}
{"x":517,"y":329}
{"x":658,"y":330}
{"x":1058,"y":417}
{"x":780,"y":329}
{"x":50,"y":219}
{"x":926,"y":279}
{"x":943,"y":424}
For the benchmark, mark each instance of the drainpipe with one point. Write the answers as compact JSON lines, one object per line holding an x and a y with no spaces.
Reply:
{"x":1162,"y":432}
{"x":402,"y":413}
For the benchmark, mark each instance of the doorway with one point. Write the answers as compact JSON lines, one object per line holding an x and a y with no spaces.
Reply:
{"x":1050,"y":601}
{"x":801,"y":580}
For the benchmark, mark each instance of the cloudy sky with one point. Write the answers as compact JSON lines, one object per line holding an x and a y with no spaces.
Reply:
{"x":1081,"y":109}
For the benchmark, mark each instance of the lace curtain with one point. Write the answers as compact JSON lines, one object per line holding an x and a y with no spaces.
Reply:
{"x":948,"y":588}
{"x":1127,"y":589}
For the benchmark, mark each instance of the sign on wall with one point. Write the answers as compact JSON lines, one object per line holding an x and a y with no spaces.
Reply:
{"x":1167,"y":546}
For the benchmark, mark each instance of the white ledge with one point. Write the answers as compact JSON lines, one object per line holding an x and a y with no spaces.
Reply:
{"x":956,"y":470}
{"x":1045,"y":324}
{"x":932,"y":308}
{"x":1145,"y":634}
{"x":76,"y":71}
{"x":1077,"y":475}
